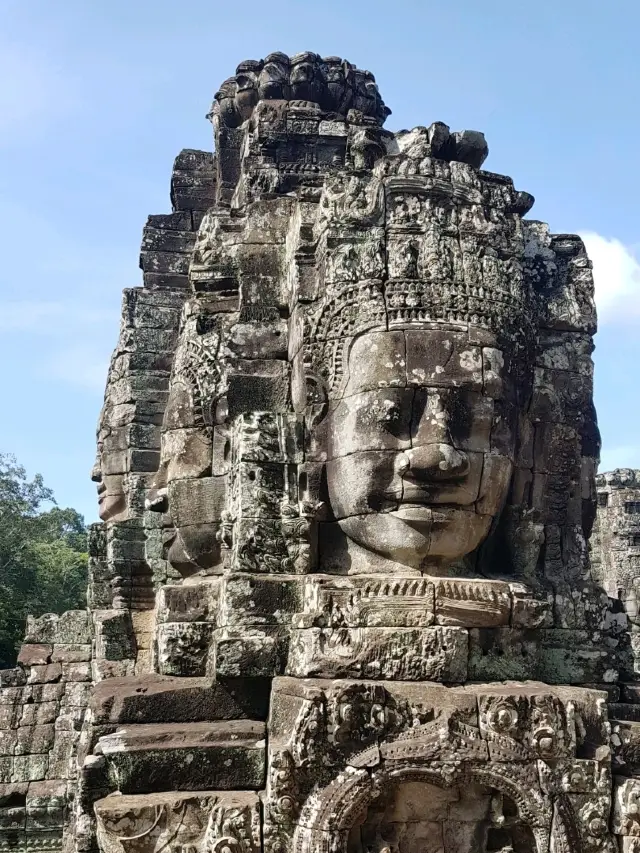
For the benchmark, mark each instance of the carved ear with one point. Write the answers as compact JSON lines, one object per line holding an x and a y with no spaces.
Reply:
{"x":317,"y":399}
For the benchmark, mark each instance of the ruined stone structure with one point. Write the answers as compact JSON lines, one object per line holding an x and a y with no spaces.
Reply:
{"x":341,"y":599}
{"x":615,"y":547}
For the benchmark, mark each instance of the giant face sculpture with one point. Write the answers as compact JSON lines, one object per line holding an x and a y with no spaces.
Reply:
{"x":402,"y":289}
{"x":112,"y":499}
{"x":183,"y":483}
{"x":412,"y":472}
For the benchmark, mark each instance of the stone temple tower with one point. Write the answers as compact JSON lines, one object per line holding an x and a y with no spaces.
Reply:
{"x":615,"y":547}
{"x":341,"y":600}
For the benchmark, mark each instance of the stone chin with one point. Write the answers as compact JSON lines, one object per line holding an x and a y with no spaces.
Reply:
{"x":112,"y":507}
{"x":193,"y":549}
{"x":419,"y":536}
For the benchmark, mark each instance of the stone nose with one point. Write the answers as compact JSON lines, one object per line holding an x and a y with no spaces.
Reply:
{"x":158,"y":496}
{"x":432,"y":463}
{"x":158,"y":500}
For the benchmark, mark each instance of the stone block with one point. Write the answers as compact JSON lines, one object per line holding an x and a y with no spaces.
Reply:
{"x":164,"y":262}
{"x":70,"y":719}
{"x":186,"y":649}
{"x":12,"y":811}
{"x":76,"y":695}
{"x":29,"y":768}
{"x":189,"y":602}
{"x":407,"y":654}
{"x":251,"y":651}
{"x":366,"y":601}
{"x":178,"y":221}
{"x":193,"y":197}
{"x":187,"y":757}
{"x":35,"y":654}
{"x":472,"y":603}
{"x":253,"y":600}
{"x":197,"y":501}
{"x":45,"y":692}
{"x":261,"y":488}
{"x":164,"y":240}
{"x":436,"y":348}
{"x":241,"y":810}
{"x":529,"y":610}
{"x":34,"y":739}
{"x":80,"y":671}
{"x":157,"y":699}
{"x":39,"y":713}
{"x":501,"y":654}
{"x":556,"y":656}
{"x":263,"y":338}
{"x":73,"y":626}
{"x":101,"y":669}
{"x":43,"y":674}
{"x":268,"y":437}
{"x":9,"y":716}
{"x":258,"y":385}
{"x":14,"y":677}
{"x":577,"y":657}
{"x":41,"y":629}
{"x":8,"y":740}
{"x":45,"y":806}
{"x":71,"y":652}
{"x":62,"y":754}
{"x":114,"y":636}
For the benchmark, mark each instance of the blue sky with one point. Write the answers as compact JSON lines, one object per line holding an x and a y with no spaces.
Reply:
{"x":98,"y":96}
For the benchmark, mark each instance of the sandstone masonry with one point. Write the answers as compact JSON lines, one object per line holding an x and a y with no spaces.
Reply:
{"x":341,"y":598}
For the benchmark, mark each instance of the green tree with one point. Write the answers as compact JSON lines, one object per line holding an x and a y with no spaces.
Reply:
{"x":43,"y":555}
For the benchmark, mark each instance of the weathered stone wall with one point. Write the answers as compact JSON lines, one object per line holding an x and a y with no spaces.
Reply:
{"x":615,"y":546}
{"x":42,"y":706}
{"x":44,"y":699}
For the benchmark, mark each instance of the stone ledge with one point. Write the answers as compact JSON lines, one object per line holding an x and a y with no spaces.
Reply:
{"x":158,"y":698}
{"x":186,"y":756}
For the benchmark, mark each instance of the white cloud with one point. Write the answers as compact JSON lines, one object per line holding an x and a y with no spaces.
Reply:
{"x":616,"y":274}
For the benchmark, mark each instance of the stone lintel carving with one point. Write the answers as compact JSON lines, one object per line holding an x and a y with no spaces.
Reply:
{"x":203,"y":821}
{"x":382,"y":748}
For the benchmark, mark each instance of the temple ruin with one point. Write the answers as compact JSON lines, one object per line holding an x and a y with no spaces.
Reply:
{"x":342,"y":597}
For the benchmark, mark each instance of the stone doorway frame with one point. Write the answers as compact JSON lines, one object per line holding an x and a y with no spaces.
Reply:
{"x":329,"y":814}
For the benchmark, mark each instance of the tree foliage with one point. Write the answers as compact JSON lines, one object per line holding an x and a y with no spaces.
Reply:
{"x":43,"y":555}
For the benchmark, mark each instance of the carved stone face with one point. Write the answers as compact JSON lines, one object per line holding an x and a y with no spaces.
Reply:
{"x":419,"y":447}
{"x":336,"y":83}
{"x":112,"y":499}
{"x":306,"y":84}
{"x":247,"y":91}
{"x":184,"y":488}
{"x":273,"y":81}
{"x":226,"y":103}
{"x":364,"y":99}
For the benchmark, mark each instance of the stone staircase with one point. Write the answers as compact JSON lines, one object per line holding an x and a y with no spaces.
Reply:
{"x":149,"y":738}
